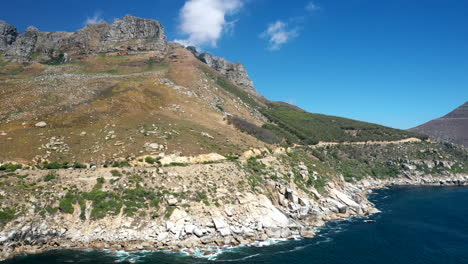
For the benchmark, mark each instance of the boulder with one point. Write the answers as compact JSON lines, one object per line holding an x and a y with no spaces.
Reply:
{"x":198,"y":232}
{"x":219,"y":223}
{"x":307,"y":232}
{"x":172,"y":202}
{"x":41,"y":124}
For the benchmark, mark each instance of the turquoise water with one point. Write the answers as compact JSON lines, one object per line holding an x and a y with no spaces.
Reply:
{"x":417,"y":225}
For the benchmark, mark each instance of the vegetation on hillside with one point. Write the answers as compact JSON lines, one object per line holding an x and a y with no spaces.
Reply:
{"x":355,"y":162}
{"x":298,"y":126}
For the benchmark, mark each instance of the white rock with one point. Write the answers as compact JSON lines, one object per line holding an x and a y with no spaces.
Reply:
{"x":198,"y":232}
{"x":225,"y":231}
{"x":189,"y":229}
{"x":219,"y":223}
{"x":41,"y":124}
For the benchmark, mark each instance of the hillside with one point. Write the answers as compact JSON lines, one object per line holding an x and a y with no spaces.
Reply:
{"x":452,"y":127}
{"x":121,"y":91}
{"x":112,"y":137}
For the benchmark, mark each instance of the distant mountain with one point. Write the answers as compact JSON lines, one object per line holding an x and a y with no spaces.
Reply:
{"x":452,"y":127}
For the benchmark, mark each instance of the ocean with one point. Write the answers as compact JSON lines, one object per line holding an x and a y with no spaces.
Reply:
{"x":417,"y":225}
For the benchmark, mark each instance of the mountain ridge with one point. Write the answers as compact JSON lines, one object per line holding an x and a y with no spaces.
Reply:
{"x":452,"y":127}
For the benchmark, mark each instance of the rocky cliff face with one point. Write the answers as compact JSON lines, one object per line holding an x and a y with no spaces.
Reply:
{"x":235,"y":72}
{"x":22,"y":49}
{"x":8,"y":35}
{"x":128,"y":33}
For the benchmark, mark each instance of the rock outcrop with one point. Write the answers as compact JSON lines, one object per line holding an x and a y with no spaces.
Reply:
{"x":128,"y":33}
{"x":8,"y":35}
{"x":234,"y":72}
{"x":22,"y":49}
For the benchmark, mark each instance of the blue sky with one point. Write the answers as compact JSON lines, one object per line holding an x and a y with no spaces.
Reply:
{"x":398,"y":63}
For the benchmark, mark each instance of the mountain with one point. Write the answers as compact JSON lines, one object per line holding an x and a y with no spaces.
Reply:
{"x":452,"y":127}
{"x":111,"y":90}
{"x":113,"y":137}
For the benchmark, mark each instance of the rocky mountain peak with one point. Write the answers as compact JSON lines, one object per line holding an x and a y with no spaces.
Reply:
{"x":127,"y":33}
{"x":8,"y":35}
{"x":235,"y":72}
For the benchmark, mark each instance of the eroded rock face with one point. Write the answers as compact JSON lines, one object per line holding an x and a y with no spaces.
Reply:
{"x":235,"y":72}
{"x":22,"y":49}
{"x":128,"y":33}
{"x":8,"y":35}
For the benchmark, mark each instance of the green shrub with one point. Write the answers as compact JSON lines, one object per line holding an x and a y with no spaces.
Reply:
{"x":55,"y":165}
{"x":10,"y":167}
{"x":57,"y":60}
{"x":51,"y":210}
{"x":50,"y":176}
{"x":104,"y":203}
{"x":200,"y":196}
{"x":78,"y":165}
{"x":177,"y":164}
{"x":120,"y":164}
{"x":6,"y":215}
{"x":150,"y":160}
{"x":116,"y":173}
{"x":66,"y":206}
{"x":169,"y":211}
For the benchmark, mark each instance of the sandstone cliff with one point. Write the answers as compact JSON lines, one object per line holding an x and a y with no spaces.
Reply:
{"x":128,"y":33}
{"x":235,"y":72}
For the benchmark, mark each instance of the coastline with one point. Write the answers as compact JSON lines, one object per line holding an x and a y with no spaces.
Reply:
{"x":44,"y":240}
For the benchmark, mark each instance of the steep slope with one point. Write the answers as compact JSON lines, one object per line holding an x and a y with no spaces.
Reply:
{"x":452,"y":127}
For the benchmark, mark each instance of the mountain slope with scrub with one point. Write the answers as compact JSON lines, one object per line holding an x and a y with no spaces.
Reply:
{"x":113,"y":137}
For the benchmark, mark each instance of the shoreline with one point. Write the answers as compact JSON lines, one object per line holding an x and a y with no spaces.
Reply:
{"x":206,"y":248}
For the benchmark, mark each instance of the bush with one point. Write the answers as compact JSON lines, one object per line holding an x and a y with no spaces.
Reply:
{"x":120,"y":164}
{"x":78,"y":165}
{"x":254,"y":130}
{"x":116,"y":173}
{"x":57,"y":60}
{"x":169,"y":211}
{"x":6,"y":215}
{"x":10,"y":167}
{"x":66,"y":206}
{"x":177,"y":164}
{"x":150,"y":160}
{"x":50,"y":177}
{"x":55,"y":165}
{"x":103,"y":203}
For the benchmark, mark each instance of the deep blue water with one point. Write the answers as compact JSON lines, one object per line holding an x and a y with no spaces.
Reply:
{"x":417,"y":225}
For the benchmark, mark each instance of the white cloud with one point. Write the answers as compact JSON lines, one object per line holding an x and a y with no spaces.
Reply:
{"x":278,"y":34}
{"x":311,"y":7}
{"x":204,"y":21}
{"x":95,"y":19}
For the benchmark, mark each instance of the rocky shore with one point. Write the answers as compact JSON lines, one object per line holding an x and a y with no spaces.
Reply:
{"x":280,"y":211}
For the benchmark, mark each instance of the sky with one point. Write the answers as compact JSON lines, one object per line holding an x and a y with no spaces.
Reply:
{"x":397,"y":63}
